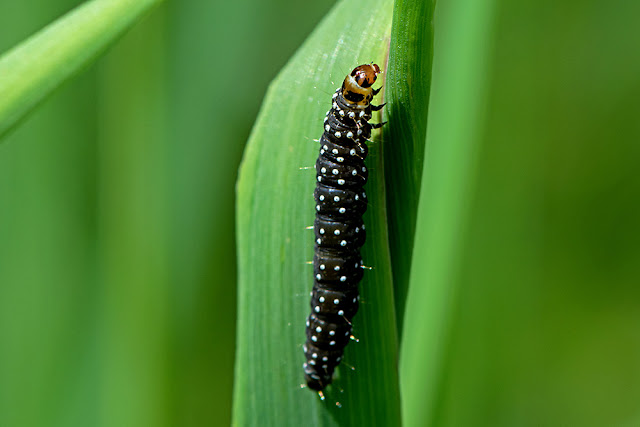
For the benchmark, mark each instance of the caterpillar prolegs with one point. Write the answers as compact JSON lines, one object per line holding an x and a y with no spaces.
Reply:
{"x":339,"y":229}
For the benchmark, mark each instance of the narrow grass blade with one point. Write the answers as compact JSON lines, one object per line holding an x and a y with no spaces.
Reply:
{"x":455,"y":116}
{"x":36,"y":67}
{"x":408,"y":85}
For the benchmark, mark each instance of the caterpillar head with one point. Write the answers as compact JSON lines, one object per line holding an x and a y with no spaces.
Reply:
{"x":356,"y":87}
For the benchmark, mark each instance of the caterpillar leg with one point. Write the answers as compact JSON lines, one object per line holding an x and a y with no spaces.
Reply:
{"x":375,"y":91}
{"x":377,"y":125}
{"x":360,"y":146}
{"x":377,"y":107}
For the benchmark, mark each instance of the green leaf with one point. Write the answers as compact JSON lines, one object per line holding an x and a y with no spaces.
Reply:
{"x":275,"y":204}
{"x":35,"y":68}
{"x":455,"y":119}
{"x":408,"y":85}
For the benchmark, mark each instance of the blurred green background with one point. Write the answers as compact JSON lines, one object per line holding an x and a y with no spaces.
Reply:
{"x":117,"y":252}
{"x":547,"y":323}
{"x":117,"y":256}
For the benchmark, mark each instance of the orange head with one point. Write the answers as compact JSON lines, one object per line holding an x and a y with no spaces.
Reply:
{"x":356,"y":87}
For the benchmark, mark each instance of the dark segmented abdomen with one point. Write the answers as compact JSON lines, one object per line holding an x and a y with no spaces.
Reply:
{"x":339,"y":234}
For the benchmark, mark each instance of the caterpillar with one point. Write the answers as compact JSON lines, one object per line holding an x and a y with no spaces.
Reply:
{"x":339,"y":230}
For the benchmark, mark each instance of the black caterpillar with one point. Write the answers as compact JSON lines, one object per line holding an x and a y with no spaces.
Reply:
{"x":339,"y":230}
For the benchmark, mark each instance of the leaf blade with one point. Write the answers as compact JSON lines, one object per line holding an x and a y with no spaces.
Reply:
{"x":275,"y":204}
{"x":454,"y":122}
{"x":32,"y":70}
{"x":408,"y":85}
